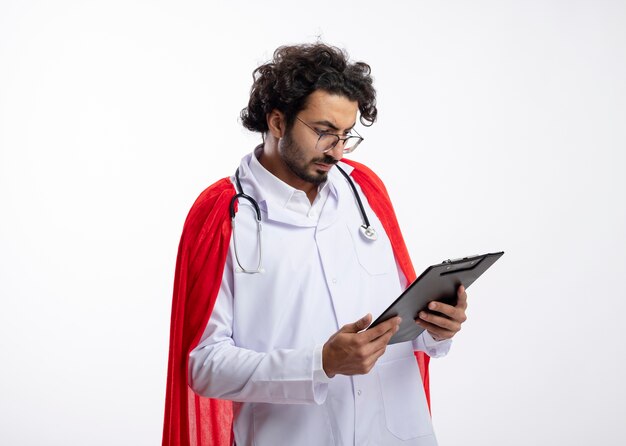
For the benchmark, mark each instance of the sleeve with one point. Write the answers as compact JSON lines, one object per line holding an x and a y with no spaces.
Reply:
{"x":435,"y":349}
{"x":218,"y":368}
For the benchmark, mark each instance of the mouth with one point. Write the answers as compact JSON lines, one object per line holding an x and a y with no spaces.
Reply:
{"x":323,"y":166}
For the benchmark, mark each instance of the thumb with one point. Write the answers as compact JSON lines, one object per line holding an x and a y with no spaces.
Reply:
{"x":357,"y":326}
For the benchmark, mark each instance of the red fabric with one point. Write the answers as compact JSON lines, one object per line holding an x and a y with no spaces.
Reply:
{"x":192,"y":420}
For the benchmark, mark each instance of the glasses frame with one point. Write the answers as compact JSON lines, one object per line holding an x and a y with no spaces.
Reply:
{"x":359,"y":139}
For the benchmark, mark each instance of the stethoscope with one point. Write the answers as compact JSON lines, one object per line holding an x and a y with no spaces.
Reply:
{"x":367,"y":231}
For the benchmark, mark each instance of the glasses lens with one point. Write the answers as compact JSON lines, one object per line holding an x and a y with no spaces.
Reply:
{"x":351,"y":143}
{"x":328,"y":142}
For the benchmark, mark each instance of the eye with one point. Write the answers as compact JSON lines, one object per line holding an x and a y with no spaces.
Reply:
{"x":323,"y":132}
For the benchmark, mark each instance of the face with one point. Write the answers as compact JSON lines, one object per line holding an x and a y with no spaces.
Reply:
{"x":324,"y":112}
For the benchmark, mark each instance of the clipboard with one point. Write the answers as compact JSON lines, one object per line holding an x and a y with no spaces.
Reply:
{"x":438,"y":282}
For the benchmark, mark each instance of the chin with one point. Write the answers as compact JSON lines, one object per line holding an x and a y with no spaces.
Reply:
{"x":320,"y":176}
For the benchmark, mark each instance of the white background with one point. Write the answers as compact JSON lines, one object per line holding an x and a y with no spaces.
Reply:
{"x":502,"y":127}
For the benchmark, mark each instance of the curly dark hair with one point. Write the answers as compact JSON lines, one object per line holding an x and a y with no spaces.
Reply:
{"x":285,"y":82}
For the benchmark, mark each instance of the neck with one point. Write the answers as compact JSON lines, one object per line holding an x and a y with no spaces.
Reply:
{"x":271,"y":160}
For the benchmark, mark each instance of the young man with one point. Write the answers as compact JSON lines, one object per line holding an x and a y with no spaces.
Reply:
{"x":272,"y":319}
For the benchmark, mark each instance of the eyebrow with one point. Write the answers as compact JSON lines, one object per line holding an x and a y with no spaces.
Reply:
{"x":333,"y":126}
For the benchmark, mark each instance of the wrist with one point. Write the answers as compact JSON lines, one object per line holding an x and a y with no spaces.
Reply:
{"x":435,"y":337}
{"x":326,"y":362}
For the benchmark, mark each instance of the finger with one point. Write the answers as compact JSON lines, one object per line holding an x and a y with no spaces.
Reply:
{"x":454,"y":313}
{"x":381,"y":329}
{"x":384,"y":338}
{"x":378,"y":353}
{"x":377,"y":347}
{"x":461,"y":297}
{"x":442,"y":308}
{"x":440,"y":321}
{"x":435,"y":331}
{"x":357,"y":326}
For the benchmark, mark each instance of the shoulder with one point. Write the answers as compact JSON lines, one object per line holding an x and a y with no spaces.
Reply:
{"x":211,"y":207}
{"x":361,"y":168}
{"x":366,"y":177}
{"x":218,"y":191}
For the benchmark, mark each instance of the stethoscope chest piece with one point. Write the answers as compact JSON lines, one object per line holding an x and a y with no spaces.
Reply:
{"x":368,"y":232}
{"x":366,"y":229}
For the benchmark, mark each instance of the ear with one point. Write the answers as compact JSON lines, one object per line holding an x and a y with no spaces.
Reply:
{"x":276,"y":123}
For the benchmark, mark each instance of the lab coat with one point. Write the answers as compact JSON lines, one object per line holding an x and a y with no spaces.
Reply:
{"x":262,"y":345}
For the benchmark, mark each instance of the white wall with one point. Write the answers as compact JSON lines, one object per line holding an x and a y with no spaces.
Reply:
{"x":502,"y":127}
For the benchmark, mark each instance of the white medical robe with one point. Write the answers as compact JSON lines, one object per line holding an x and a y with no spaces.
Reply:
{"x":262,"y":344}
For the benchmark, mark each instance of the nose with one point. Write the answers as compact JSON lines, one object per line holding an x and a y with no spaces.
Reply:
{"x":337,"y":151}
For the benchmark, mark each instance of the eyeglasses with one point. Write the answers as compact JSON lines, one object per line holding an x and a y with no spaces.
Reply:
{"x":328,"y":141}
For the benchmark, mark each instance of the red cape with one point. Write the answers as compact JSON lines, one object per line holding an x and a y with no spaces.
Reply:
{"x":192,"y":420}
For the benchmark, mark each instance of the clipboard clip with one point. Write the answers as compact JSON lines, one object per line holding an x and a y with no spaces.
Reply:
{"x":460,"y":259}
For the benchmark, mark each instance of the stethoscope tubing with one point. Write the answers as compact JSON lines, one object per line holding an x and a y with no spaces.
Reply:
{"x":240,"y":194}
{"x":366,"y":229}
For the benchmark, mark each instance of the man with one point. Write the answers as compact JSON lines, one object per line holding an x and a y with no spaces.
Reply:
{"x":272,"y":319}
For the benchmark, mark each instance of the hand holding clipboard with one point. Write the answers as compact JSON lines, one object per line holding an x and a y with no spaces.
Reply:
{"x":438,"y":283}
